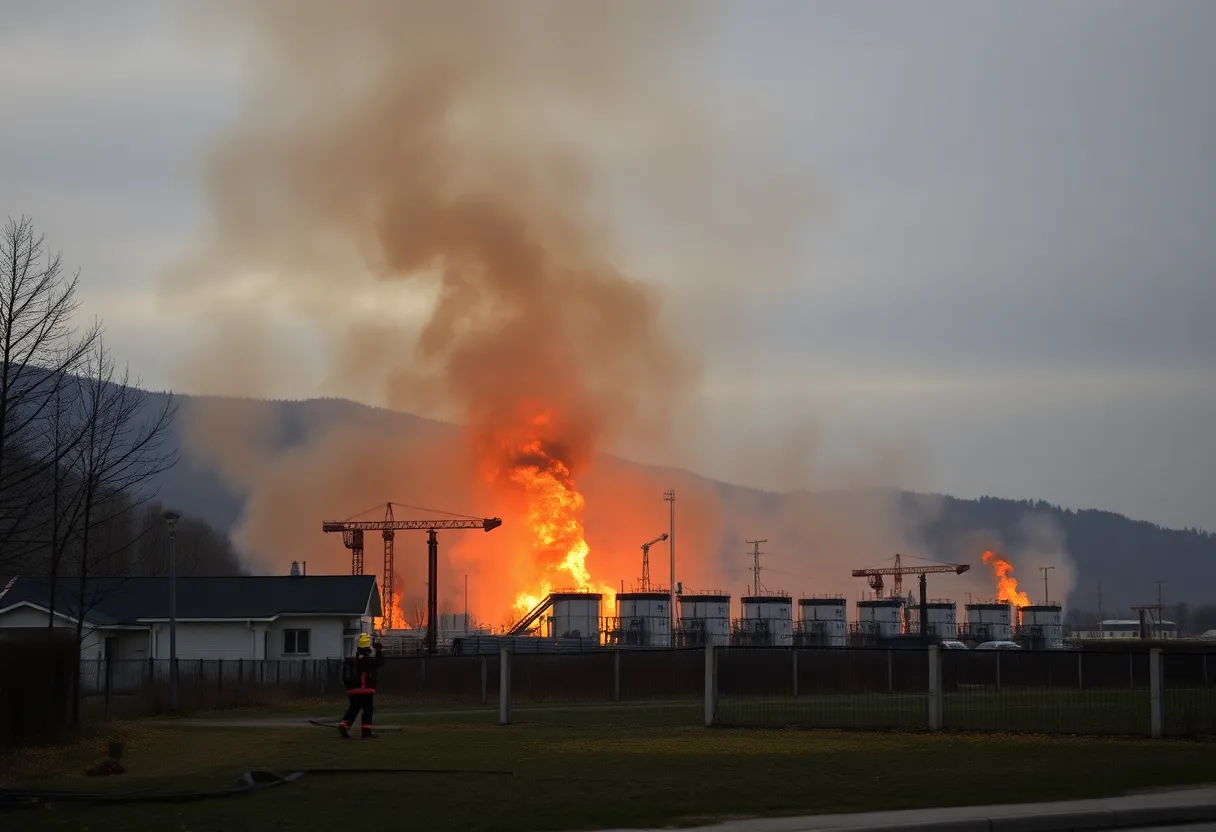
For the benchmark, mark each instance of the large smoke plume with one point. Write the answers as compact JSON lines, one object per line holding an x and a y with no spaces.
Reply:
{"x":458,"y":208}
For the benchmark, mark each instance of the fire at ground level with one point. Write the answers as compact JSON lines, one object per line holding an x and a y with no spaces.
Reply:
{"x":655,"y":617}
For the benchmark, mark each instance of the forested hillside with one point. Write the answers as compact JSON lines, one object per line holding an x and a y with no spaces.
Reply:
{"x":1125,"y":556}
{"x":82,"y":448}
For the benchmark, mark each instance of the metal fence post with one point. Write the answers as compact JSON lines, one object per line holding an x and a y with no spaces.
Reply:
{"x":109,"y":684}
{"x":1080,"y":668}
{"x":794,"y":653}
{"x":504,"y":685}
{"x":616,"y":675}
{"x":484,"y":674}
{"x":935,"y":688}
{"x":711,"y":685}
{"x":890,"y":671}
{"x":1156,"y":694}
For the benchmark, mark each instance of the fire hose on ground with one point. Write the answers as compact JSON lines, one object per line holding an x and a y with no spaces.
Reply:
{"x":256,"y":780}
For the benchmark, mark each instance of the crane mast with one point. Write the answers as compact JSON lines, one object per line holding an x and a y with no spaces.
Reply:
{"x":646,"y":560}
{"x":352,"y":538}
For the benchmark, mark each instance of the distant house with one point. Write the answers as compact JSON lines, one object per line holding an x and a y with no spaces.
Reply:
{"x":259,"y":618}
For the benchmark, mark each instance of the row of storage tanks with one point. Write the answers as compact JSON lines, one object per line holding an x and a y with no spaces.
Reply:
{"x":642,"y":619}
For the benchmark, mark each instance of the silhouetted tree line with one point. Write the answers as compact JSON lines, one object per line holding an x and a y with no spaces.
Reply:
{"x":79,"y":451}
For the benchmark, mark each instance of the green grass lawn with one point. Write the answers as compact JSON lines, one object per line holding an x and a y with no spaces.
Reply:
{"x":1109,"y":712}
{"x":591,"y":772}
{"x":1122,"y":712}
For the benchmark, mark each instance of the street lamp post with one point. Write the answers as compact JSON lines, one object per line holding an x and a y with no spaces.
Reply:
{"x":171,"y":518}
{"x":670,"y":496}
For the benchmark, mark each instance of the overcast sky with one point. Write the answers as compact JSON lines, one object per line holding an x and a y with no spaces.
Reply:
{"x":1016,"y":274}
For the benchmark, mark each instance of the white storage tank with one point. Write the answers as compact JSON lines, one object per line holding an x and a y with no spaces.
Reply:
{"x":575,"y":615}
{"x":942,"y":618}
{"x":704,"y":619}
{"x":1043,"y":627}
{"x":822,"y":621}
{"x":644,"y":619}
{"x":880,"y":617}
{"x":768,"y":620}
{"x":989,"y":622}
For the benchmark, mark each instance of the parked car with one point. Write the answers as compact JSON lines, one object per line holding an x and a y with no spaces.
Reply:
{"x":952,"y":644}
{"x":999,"y":645}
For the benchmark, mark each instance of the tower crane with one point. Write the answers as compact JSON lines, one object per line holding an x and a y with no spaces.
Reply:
{"x":899,"y":570}
{"x":352,"y":537}
{"x":646,"y":560}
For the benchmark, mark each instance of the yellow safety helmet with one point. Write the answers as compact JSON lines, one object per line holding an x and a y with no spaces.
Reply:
{"x":365,"y":640}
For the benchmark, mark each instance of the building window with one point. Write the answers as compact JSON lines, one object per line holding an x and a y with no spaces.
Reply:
{"x":295,"y":642}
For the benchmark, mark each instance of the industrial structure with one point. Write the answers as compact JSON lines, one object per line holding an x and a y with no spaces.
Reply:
{"x":1041,"y":627}
{"x":571,"y":614}
{"x":878,"y":618}
{"x":822,"y":622}
{"x":646,"y":560}
{"x":651,"y":616}
{"x":897,"y":572}
{"x":352,"y":537}
{"x":941,"y":618}
{"x":991,"y":621}
{"x":704,"y":619}
{"x":643,"y":619}
{"x":767,"y":621}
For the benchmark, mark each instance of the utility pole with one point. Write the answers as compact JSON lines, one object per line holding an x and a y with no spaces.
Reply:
{"x":1101,"y":609}
{"x":756,"y":553}
{"x":171,"y":518}
{"x":670,"y":496}
{"x":1160,"y":609}
{"x":1044,"y":570}
{"x":466,"y":604}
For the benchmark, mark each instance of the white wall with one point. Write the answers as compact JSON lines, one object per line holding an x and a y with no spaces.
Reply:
{"x":325,"y":636}
{"x":28,"y":617}
{"x":208,"y":640}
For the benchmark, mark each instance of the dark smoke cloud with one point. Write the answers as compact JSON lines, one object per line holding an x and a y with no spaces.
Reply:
{"x":434,"y":192}
{"x":462,"y":208}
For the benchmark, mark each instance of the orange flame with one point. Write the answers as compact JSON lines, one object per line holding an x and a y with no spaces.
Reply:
{"x":554,"y":507}
{"x":391,"y":607}
{"x":1007,"y":585}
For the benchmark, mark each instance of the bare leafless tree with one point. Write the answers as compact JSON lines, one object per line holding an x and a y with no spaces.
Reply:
{"x":123,"y":450}
{"x":39,"y":350}
{"x":60,"y":515}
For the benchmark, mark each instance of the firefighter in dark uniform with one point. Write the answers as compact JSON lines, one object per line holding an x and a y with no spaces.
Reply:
{"x":359,"y":675}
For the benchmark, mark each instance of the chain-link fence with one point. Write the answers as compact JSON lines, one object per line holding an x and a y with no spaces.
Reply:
{"x":1050,"y":691}
{"x":1189,"y":692}
{"x":1157,"y":692}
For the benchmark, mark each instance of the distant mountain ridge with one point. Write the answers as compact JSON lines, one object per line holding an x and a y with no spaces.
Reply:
{"x":1125,"y":557}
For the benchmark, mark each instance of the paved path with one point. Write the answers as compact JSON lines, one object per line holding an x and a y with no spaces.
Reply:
{"x":1195,"y":806}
